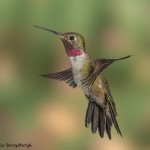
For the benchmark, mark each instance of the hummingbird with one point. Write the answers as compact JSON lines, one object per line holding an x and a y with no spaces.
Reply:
{"x":86,"y":73}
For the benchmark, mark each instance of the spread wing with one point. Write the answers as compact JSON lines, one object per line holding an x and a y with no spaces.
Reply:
{"x":99,"y":66}
{"x":65,"y":75}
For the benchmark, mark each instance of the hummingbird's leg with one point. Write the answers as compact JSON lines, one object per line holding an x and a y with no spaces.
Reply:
{"x":99,"y":66}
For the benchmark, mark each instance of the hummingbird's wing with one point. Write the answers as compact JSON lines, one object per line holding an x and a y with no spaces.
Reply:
{"x":65,"y":75}
{"x":99,"y":65}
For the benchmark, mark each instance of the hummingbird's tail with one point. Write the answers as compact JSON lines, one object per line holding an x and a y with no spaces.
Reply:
{"x":100,"y":120}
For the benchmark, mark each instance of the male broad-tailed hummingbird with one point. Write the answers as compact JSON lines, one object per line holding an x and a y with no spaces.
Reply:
{"x":86,"y":73}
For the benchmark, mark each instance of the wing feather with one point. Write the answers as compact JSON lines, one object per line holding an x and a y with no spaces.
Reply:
{"x":65,"y":75}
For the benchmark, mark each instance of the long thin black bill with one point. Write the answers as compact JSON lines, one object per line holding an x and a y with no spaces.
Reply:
{"x":54,"y":32}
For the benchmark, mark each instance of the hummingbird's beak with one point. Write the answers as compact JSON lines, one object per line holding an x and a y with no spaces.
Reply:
{"x":54,"y":32}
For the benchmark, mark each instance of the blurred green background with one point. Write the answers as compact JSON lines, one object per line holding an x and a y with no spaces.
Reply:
{"x":49,"y":114}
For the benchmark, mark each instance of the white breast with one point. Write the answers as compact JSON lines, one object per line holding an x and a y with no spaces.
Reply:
{"x":78,"y":61}
{"x":77,"y":66}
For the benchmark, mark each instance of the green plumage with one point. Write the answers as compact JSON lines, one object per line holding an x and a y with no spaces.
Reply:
{"x":86,"y":73}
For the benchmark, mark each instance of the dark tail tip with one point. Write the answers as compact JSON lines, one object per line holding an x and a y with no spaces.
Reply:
{"x":99,"y":120}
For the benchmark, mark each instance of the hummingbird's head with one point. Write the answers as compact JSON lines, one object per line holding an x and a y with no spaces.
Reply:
{"x":73,"y":40}
{"x":74,"y":43}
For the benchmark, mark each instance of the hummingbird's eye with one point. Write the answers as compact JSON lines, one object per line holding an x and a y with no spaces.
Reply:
{"x":71,"y":38}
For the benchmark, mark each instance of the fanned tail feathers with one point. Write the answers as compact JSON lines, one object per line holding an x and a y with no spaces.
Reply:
{"x":99,"y":119}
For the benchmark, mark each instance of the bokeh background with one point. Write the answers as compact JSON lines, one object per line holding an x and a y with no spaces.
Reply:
{"x":49,"y":114}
